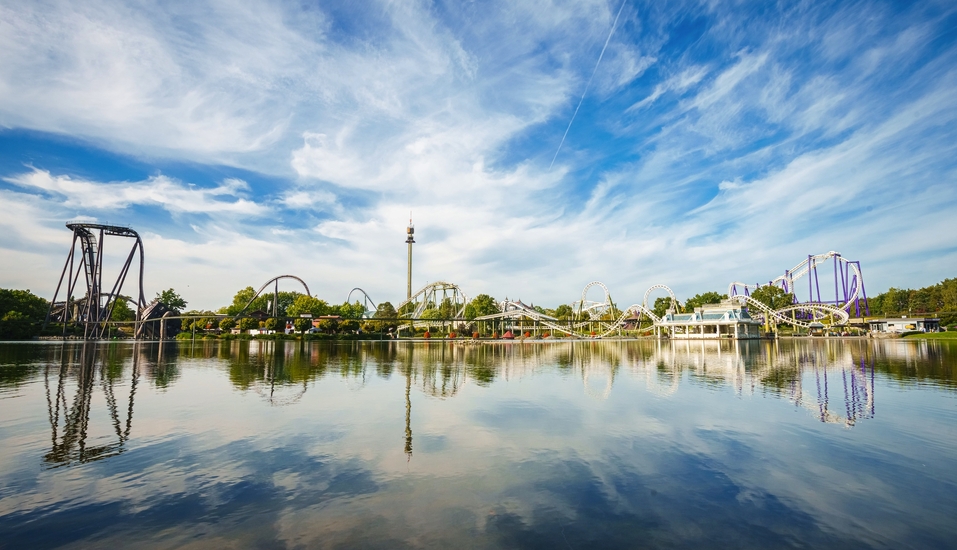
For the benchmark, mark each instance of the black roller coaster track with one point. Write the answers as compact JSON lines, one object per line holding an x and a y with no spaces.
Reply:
{"x":95,"y":308}
{"x":275,"y":302}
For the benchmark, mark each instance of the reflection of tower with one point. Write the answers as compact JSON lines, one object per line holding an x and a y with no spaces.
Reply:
{"x":408,"y":413}
{"x":410,"y":231}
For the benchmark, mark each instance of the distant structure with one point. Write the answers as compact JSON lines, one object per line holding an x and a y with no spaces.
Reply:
{"x":410,"y":231}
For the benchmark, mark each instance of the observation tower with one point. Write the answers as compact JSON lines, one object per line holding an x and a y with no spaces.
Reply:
{"x":410,"y":231}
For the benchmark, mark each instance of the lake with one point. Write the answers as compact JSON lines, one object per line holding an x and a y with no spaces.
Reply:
{"x":591,"y":444}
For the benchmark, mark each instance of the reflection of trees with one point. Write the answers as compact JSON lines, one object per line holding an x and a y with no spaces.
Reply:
{"x":18,"y":364}
{"x":80,"y":365}
{"x":278,"y":372}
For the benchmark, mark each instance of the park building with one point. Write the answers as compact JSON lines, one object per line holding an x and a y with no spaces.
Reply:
{"x":891,"y":325}
{"x":713,"y":321}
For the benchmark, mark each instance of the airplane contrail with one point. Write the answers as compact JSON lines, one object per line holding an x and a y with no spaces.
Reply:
{"x":611,"y":32}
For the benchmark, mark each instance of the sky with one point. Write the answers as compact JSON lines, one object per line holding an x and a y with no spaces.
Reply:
{"x":539,"y":145}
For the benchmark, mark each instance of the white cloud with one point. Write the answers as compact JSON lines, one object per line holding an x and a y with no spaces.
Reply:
{"x":157,"y":190}
{"x":450,"y":114}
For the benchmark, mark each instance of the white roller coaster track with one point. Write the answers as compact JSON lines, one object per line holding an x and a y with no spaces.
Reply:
{"x":819,"y":312}
{"x":421,"y":300}
{"x":593,"y":309}
{"x":590,"y":312}
{"x":516,"y":310}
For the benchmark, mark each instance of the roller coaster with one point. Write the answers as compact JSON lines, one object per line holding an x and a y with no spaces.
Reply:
{"x":602,"y":318}
{"x":443,"y":303}
{"x":436,"y":303}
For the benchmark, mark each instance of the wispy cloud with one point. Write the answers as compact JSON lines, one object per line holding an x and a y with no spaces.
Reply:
{"x":161,"y":191}
{"x":719,"y":143}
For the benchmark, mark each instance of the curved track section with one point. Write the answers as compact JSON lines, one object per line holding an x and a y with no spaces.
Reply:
{"x":591,"y":309}
{"x":814,"y":313}
{"x":366,"y":302}
{"x":517,"y":310}
{"x":274,"y":280}
{"x":674,"y":300}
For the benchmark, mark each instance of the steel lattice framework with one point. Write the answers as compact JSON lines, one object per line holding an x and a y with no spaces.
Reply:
{"x":432,"y":296}
{"x":94,"y":310}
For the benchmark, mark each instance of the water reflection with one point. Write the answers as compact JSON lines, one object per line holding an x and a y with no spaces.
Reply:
{"x":615,"y":444}
{"x":832,"y":379}
{"x":80,"y":367}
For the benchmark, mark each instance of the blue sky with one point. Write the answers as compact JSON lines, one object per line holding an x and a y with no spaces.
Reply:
{"x":714,"y":142}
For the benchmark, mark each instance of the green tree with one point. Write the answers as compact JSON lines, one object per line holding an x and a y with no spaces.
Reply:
{"x":352,"y":311}
{"x":661,"y":305}
{"x":302,"y":324}
{"x":329,"y":326}
{"x":447,"y":309}
{"x":122,"y":310}
{"x":227,"y":324}
{"x":564,"y":311}
{"x":271,"y":323}
{"x":248,"y":323}
{"x":21,"y":314}
{"x":307,"y":304}
{"x":481,"y":305}
{"x":386,"y":316}
{"x":948,"y":295}
{"x":386,"y":310}
{"x":703,"y":299}
{"x":171,"y":300}
{"x":894,"y":302}
{"x":773,"y":296}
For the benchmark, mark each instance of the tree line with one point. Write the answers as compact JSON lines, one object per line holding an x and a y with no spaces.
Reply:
{"x":939,"y":299}
{"x":22,"y":313}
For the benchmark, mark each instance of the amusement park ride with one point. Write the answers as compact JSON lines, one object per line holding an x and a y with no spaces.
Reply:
{"x":591,"y":318}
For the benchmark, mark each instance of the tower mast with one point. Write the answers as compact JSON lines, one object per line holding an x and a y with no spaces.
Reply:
{"x":410,"y":231}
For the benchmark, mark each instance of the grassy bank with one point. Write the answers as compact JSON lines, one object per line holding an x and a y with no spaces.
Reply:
{"x":949,"y":335}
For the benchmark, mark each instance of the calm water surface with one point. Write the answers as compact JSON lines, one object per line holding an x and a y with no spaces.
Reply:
{"x":813,"y":444}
